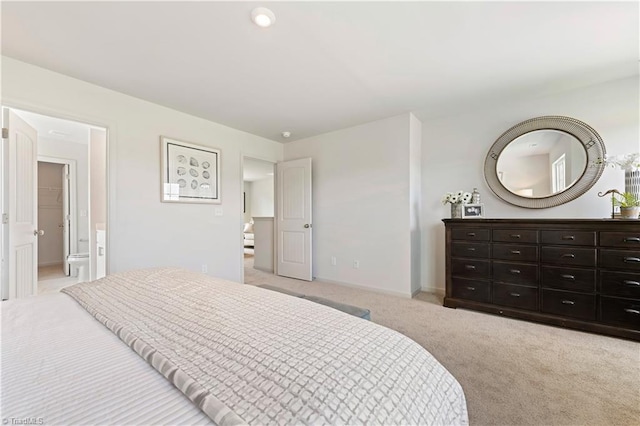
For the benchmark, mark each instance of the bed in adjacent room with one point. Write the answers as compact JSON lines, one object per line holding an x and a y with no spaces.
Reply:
{"x":168,"y":346}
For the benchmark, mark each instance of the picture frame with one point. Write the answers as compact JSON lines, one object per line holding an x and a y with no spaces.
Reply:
{"x":190,"y":172}
{"x":471,"y":211}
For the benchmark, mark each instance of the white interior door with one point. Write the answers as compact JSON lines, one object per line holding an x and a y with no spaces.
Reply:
{"x":293,"y":216}
{"x":23,"y":233}
{"x":66,"y":218}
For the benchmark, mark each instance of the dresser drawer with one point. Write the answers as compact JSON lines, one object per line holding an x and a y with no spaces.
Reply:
{"x":620,"y":284}
{"x":620,"y":239}
{"x":515,"y":235}
{"x":568,"y":256}
{"x":471,"y":290}
{"x":463,"y":249}
{"x":469,"y":268}
{"x":517,"y":252}
{"x":573,"y":305}
{"x":620,"y":259}
{"x":470,"y":234}
{"x":569,"y":278}
{"x":572,"y":238}
{"x":617,"y":311}
{"x":515,"y":273}
{"x":515,"y":296}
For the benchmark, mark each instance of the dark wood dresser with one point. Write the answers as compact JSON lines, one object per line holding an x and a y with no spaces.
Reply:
{"x":582,"y":273}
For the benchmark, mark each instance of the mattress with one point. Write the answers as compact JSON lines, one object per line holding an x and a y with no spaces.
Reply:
{"x":62,"y":366}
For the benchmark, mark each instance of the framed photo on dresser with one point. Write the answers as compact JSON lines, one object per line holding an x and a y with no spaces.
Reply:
{"x":472,"y":211}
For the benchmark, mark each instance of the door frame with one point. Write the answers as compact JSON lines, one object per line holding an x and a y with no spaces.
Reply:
{"x":111,"y":153}
{"x":73,"y":193}
{"x":275,"y":200}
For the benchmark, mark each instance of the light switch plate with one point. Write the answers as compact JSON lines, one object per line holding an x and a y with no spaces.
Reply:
{"x":218,"y":211}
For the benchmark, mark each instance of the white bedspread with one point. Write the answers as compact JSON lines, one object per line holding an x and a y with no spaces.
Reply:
{"x":62,"y":366}
{"x":249,"y":355}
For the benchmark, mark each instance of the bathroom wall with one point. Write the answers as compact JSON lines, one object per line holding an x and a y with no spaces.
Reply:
{"x":98,"y":193}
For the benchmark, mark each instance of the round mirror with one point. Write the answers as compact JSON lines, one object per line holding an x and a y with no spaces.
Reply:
{"x":544,"y":162}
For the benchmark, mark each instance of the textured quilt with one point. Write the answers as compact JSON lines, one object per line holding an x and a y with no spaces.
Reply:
{"x":246,"y":355}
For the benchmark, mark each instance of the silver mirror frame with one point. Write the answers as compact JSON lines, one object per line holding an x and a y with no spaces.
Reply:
{"x":590,"y":139}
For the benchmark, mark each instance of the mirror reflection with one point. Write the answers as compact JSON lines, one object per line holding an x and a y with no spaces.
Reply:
{"x":541,"y":163}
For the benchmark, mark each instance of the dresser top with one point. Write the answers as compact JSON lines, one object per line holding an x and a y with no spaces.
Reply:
{"x":628,"y":224}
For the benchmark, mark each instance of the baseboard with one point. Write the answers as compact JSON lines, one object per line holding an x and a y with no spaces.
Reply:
{"x":362,"y":287}
{"x":437,"y":291}
{"x":50,"y":264}
{"x":263,"y":269}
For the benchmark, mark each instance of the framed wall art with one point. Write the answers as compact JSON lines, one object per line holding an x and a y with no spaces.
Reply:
{"x":190,"y":173}
{"x":470,"y":211}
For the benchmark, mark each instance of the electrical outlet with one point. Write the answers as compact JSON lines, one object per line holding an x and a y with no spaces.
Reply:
{"x":204,"y":269}
{"x":356,"y":264}
{"x":334,"y":261}
{"x":218,"y":211}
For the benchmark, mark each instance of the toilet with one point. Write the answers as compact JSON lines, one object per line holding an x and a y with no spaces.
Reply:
{"x":81,"y":262}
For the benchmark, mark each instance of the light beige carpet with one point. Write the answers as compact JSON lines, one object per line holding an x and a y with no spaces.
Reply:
{"x":513,"y":372}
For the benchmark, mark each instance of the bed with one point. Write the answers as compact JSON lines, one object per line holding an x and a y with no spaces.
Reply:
{"x":168,"y":346}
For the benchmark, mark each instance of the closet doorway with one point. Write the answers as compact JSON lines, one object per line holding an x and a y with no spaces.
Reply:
{"x":258,"y":199}
{"x":56,"y":200}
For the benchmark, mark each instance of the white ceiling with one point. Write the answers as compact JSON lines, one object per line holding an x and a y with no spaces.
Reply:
{"x":326,"y":65}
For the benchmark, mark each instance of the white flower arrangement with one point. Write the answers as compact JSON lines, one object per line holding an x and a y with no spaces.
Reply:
{"x":460,"y":197}
{"x":627,"y":162}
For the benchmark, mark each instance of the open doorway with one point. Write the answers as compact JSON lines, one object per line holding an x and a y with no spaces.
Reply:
{"x":258,"y":213}
{"x":54,"y":218}
{"x":67,"y":162}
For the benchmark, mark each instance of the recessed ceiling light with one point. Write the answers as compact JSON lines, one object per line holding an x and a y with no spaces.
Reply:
{"x":286,"y":134}
{"x":263,"y":17}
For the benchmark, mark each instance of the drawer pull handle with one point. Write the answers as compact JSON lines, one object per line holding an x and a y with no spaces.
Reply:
{"x":471,"y":288}
{"x":631,"y":260}
{"x":568,"y":302}
{"x":568,"y":237}
{"x":514,"y":271}
{"x":471,"y":234}
{"x":469,"y":267}
{"x":567,"y":277}
{"x":514,"y":294}
{"x":632,"y":311}
{"x":631,"y":240}
{"x":471,"y":249}
{"x":515,"y":251}
{"x":631,"y":283}
{"x":515,"y":235}
{"x":569,"y":255}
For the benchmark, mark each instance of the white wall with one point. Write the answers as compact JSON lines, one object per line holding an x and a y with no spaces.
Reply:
{"x":143,"y":232}
{"x":98,"y":193}
{"x":454,"y":149}
{"x":361,"y":203}
{"x":80,"y":153}
{"x":415,"y":200}
{"x":247,"y":189}
{"x":262,"y":197}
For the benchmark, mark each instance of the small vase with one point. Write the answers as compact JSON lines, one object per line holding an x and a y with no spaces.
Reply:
{"x":629,"y":212}
{"x":456,"y":211}
{"x":632,"y":182}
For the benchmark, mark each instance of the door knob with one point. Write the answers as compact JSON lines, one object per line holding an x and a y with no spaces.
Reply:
{"x":38,"y":233}
{"x":307,"y":225}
